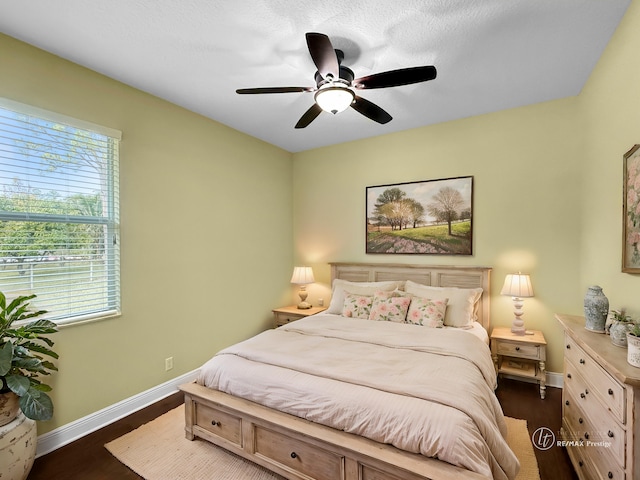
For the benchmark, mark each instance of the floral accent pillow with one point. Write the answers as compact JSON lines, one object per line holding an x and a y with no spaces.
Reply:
{"x":427,"y":312}
{"x":356,"y":306}
{"x":390,"y":307}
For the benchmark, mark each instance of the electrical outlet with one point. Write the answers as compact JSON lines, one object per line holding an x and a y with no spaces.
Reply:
{"x":168,"y":363}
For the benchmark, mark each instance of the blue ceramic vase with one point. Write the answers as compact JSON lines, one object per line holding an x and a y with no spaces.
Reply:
{"x":596,"y":309}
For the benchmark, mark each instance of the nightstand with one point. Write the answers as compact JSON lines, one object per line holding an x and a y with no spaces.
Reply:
{"x":522,"y":356}
{"x":286,"y":315}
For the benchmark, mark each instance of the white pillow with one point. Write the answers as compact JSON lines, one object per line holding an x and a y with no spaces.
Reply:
{"x":357,"y":288}
{"x":460,"y":307}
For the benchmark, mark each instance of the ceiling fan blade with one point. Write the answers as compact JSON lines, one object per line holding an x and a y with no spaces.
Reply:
{"x":371,"y":110}
{"x":323,"y":55}
{"x":244,"y":91}
{"x":309,"y":116}
{"x":395,"y":78}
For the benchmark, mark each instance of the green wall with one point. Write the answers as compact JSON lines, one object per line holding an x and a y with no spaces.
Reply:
{"x":525,"y":164}
{"x":202,"y":209}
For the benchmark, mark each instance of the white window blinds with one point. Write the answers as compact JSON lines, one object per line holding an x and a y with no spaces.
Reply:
{"x":59,"y":213}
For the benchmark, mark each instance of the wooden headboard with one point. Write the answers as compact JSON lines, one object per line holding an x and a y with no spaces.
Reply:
{"x":435,"y":276}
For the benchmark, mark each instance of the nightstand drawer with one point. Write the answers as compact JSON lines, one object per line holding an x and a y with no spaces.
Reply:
{"x":285,"y":315}
{"x":519,"y":350}
{"x":283,"y":318}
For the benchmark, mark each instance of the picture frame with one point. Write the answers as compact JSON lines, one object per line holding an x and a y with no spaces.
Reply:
{"x":429,"y":217}
{"x":631,"y":211}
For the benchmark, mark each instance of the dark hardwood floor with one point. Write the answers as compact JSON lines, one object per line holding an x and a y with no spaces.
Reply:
{"x":522,"y":400}
{"x":87,"y":459}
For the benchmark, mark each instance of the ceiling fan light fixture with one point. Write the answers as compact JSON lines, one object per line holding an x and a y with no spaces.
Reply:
{"x":334,"y":99}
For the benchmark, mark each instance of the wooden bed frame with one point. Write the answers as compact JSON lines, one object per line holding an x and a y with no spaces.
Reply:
{"x":299,"y":449}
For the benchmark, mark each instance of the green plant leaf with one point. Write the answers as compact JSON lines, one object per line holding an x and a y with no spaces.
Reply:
{"x":31,"y":364}
{"x":40,"y":327}
{"x":34,"y":347}
{"x":42,"y":387}
{"x":22,"y":352}
{"x":49,"y":366}
{"x":6,"y":355}
{"x":36,"y":405}
{"x":18,"y":384}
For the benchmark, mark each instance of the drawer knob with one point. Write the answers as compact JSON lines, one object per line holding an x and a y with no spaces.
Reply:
{"x":566,"y":403}
{"x":586,"y":435}
{"x":610,"y":434}
{"x":610,"y":475}
{"x":582,"y":395}
{"x":581,"y":463}
{"x":215,"y":423}
{"x":517,"y":349}
{"x":568,"y":347}
{"x":610,"y":392}
{"x":568,"y":375}
{"x":580,"y":420}
{"x":294,"y":455}
{"x":582,"y":361}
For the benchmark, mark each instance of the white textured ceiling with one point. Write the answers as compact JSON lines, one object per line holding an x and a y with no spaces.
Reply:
{"x":490,"y":54}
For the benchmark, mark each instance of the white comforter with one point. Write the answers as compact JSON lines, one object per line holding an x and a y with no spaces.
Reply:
{"x":423,"y":390}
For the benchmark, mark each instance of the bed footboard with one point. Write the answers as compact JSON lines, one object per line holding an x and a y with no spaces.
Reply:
{"x":298,"y":449}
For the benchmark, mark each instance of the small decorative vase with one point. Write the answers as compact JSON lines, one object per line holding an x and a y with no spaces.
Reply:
{"x":633,"y":352}
{"x":596,"y":308}
{"x":618,"y":332}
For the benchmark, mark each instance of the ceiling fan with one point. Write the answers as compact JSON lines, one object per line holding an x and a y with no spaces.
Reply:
{"x":335,"y":85}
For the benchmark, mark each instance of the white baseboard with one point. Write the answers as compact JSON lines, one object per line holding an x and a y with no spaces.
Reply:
{"x":555,"y":379}
{"x":61,"y":436}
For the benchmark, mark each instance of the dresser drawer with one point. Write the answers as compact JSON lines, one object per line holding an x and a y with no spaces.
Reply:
{"x":599,"y":382}
{"x":519,"y":350}
{"x":601,"y":434}
{"x":581,"y":461}
{"x":297,"y":455}
{"x":219,"y":423}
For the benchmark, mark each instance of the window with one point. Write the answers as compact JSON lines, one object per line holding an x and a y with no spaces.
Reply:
{"x":59,"y":217}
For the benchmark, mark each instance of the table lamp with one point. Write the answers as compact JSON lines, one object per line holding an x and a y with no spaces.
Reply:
{"x":518,"y":286}
{"x":302,"y":276}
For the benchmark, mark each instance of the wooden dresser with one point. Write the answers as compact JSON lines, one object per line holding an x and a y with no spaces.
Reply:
{"x":599,"y":399}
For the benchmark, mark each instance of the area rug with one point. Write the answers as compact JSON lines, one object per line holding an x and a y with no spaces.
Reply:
{"x":159,"y":450}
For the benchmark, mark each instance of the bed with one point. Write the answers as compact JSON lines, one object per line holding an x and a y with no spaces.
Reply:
{"x":346,"y":395}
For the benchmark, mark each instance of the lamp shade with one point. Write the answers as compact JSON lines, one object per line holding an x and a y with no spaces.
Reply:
{"x":334,"y":99}
{"x":302,"y":275}
{"x":517,"y":285}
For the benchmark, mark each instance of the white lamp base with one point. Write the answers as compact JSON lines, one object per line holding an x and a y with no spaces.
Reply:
{"x":303,"y":305}
{"x":517,"y":326}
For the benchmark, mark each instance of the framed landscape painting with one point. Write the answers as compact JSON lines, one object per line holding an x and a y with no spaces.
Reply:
{"x":431,"y":217}
{"x":631,"y":211}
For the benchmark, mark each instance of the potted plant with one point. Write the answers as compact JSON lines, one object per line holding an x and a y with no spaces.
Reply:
{"x":618,"y":324}
{"x":633,"y":339}
{"x":23,"y":349}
